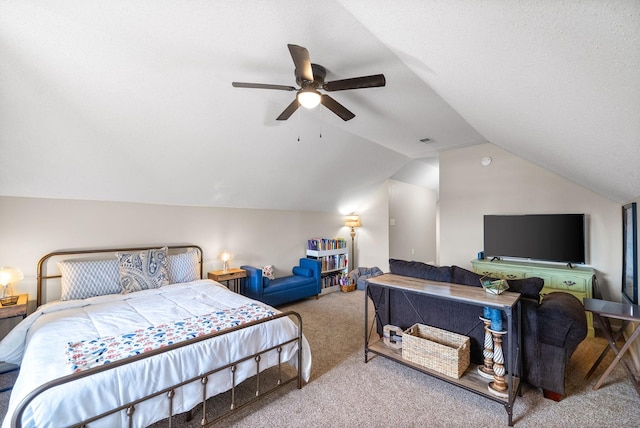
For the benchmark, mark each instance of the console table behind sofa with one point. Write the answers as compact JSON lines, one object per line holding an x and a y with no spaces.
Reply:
{"x":551,"y":329}
{"x":379,"y":290}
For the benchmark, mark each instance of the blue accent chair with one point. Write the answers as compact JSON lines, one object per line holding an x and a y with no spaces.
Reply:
{"x":304,"y":282}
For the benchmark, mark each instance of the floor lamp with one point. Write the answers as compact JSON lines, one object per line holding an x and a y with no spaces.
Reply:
{"x":352,"y":221}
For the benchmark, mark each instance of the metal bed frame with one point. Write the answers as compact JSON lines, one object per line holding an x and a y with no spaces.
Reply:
{"x":129,"y":407}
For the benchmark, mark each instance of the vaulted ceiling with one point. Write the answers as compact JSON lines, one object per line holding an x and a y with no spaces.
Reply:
{"x":132,"y":101}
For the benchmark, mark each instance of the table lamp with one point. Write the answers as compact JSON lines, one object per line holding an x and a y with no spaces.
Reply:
{"x":9,"y":275}
{"x":226,"y":257}
{"x":352,"y":221}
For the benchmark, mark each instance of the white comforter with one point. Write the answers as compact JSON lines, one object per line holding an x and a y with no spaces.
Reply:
{"x":38,"y":344}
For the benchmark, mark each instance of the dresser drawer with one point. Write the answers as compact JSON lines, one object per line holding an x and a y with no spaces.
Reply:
{"x":502,"y":274}
{"x":488,"y":272}
{"x":510,"y":274}
{"x":546,"y":278}
{"x":569,"y":283}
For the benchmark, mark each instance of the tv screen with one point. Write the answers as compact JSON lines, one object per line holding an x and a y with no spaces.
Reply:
{"x":549,"y":237}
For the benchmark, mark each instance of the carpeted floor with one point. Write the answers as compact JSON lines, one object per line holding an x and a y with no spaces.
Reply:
{"x":346,"y":392}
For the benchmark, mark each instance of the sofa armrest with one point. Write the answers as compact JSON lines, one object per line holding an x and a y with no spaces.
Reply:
{"x":316,"y":267}
{"x":561,"y":320}
{"x":253,"y":283}
{"x":302,"y":271}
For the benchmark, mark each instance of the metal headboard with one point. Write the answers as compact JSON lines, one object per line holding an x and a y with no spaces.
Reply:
{"x":42,"y":275}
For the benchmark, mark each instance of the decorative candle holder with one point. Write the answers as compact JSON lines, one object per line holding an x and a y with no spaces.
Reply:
{"x":498,"y":387}
{"x":487,"y":370}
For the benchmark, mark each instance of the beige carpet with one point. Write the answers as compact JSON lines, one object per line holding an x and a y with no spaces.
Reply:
{"x":346,"y":392}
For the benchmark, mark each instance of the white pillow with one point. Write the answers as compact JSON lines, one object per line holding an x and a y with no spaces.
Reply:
{"x":183,"y":267}
{"x":267,"y":272}
{"x":82,"y":279}
{"x":143,"y":270}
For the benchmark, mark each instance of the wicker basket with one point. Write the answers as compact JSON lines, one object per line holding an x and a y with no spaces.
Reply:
{"x":439,"y":350}
{"x":348,"y":288}
{"x":8,"y":301}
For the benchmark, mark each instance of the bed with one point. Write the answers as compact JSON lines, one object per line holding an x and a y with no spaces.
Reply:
{"x":106,"y":351}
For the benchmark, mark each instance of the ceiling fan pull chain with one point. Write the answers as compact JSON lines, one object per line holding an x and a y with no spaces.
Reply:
{"x":298,"y":125}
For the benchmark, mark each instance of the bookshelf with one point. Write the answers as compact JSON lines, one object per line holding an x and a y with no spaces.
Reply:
{"x":333,"y":254}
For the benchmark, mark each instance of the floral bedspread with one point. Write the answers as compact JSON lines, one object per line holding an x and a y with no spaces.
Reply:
{"x":91,"y":353}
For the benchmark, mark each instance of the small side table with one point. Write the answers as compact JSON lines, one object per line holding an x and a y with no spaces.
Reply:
{"x":604,"y":311}
{"x":17,"y":310}
{"x":233,"y":276}
{"x":12,"y":311}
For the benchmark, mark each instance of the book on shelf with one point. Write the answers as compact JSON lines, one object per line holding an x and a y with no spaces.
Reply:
{"x":337,"y":261}
{"x":321,"y":244}
{"x":338,"y":278}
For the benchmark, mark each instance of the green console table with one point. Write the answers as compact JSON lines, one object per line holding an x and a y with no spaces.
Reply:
{"x":577,"y":280}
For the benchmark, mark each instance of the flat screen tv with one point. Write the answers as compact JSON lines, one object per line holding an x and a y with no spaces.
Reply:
{"x":548,"y":237}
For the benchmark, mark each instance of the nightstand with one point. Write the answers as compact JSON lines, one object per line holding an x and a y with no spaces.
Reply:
{"x":17,"y":310}
{"x":12,"y":311}
{"x":232,"y":276}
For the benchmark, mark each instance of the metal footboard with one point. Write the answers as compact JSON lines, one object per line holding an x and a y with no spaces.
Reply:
{"x":130,"y":407}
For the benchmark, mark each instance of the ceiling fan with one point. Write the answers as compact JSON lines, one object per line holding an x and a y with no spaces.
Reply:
{"x":310,"y":78}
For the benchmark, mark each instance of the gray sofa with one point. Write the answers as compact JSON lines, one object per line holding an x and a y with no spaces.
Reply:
{"x":551,"y":328}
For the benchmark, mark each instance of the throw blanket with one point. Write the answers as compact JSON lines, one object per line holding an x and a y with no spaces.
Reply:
{"x":91,"y":353}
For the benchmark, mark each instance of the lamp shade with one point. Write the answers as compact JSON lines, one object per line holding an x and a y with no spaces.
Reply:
{"x":352,"y":221}
{"x":309,"y":98}
{"x":9,"y":275}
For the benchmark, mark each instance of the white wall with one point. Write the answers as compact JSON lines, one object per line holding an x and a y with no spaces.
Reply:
{"x":372,"y":239}
{"x":512,"y":185}
{"x":32,"y":227}
{"x":412,"y":210}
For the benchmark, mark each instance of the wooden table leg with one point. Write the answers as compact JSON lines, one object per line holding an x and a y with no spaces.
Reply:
{"x":605,"y":351}
{"x":619,"y":354}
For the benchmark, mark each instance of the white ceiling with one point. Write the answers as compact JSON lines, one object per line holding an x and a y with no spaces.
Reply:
{"x":132,"y":101}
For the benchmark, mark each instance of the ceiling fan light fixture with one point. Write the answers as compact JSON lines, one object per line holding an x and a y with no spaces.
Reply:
{"x":309,"y":98}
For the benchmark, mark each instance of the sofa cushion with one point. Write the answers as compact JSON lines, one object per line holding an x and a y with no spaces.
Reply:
{"x":302,"y":271}
{"x":287,"y":283}
{"x":420,"y":270}
{"x":528,"y":287}
{"x":463,"y":276}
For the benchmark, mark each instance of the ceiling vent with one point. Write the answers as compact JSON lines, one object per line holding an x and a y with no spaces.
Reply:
{"x":427,"y":140}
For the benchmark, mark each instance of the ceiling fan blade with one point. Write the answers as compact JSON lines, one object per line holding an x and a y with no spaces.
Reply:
{"x":337,"y":108}
{"x":302,"y":62}
{"x":291,"y":108}
{"x":262,"y":86}
{"x":356,"y":83}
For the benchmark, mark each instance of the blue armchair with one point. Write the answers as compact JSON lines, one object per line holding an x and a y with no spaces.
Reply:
{"x":304,"y":282}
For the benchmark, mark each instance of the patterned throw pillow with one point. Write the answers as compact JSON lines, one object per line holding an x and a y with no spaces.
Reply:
{"x":143,"y":270}
{"x":82,"y":279}
{"x":183,"y":267}
{"x":267,"y":272}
